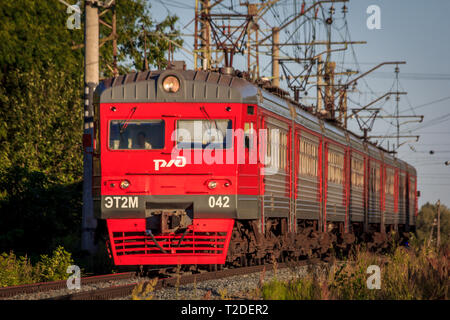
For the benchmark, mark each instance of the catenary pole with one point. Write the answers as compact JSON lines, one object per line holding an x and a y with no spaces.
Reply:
{"x":438,"y":236}
{"x":91,"y":79}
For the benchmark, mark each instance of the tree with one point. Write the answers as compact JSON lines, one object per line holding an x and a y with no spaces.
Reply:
{"x":426,"y":225}
{"x":140,"y":38}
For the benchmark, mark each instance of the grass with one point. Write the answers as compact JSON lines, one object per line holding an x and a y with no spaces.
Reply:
{"x":144,"y":290}
{"x":418,"y":273}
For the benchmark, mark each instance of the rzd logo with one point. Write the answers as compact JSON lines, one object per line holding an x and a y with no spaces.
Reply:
{"x":178,"y":162}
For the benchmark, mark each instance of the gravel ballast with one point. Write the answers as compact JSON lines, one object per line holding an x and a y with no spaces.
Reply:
{"x":235,"y":287}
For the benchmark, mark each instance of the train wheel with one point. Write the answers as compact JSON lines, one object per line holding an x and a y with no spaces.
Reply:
{"x":244,"y":261}
{"x":212,"y":267}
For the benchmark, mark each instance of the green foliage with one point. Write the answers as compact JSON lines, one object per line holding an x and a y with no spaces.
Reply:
{"x":426,"y":228}
{"x":139,"y":36}
{"x":41,"y":88}
{"x":303,"y":289}
{"x":19,"y":270}
{"x":15,"y":271}
{"x":33,"y":35}
{"x":38,"y":212}
{"x":54,"y":268}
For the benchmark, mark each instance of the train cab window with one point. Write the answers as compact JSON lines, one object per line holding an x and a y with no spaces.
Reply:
{"x":202,"y":134}
{"x":136,"y":134}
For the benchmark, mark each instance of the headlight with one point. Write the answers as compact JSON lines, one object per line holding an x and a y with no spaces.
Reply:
{"x":124,"y":184}
{"x":171,"y":84}
{"x":212,"y":184}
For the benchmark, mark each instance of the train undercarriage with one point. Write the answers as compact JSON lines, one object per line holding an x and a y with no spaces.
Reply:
{"x":248,"y":246}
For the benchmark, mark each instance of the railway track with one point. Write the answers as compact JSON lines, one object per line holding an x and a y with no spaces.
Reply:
{"x":112,"y":290}
{"x":33,"y":288}
{"x":126,"y":290}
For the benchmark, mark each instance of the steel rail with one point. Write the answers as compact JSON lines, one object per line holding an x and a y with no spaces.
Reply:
{"x":61,"y":284}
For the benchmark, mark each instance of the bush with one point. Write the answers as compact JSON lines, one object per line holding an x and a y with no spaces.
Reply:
{"x":15,"y":271}
{"x":54,"y":268}
{"x":19,"y":270}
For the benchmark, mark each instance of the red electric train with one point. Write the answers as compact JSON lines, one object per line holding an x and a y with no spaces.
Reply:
{"x":204,"y":168}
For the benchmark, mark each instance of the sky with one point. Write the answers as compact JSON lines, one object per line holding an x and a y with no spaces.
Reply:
{"x":415,"y":31}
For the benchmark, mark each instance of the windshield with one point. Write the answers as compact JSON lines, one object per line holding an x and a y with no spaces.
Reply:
{"x":198,"y":134}
{"x":136,"y":134}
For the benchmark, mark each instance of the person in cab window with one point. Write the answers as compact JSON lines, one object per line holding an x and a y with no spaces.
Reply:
{"x":141,"y":143}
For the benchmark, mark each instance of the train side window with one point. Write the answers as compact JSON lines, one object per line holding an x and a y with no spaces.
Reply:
{"x":277,"y":147}
{"x":335,"y":167}
{"x":357,"y":176}
{"x":377,"y":179}
{"x":308,"y":158}
{"x":412,"y":191}
{"x":402,"y":189}
{"x":389,"y":186}
{"x":273,"y":146}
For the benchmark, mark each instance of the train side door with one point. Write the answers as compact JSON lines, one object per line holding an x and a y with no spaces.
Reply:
{"x":248,"y":186}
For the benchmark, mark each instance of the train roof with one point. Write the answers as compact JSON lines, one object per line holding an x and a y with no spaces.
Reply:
{"x":195,"y":86}
{"x":208,"y":86}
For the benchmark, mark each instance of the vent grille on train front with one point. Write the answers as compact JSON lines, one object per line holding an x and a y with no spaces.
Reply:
{"x":137,"y":243}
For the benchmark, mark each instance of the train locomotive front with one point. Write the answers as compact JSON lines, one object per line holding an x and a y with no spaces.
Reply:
{"x":158,"y":139}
